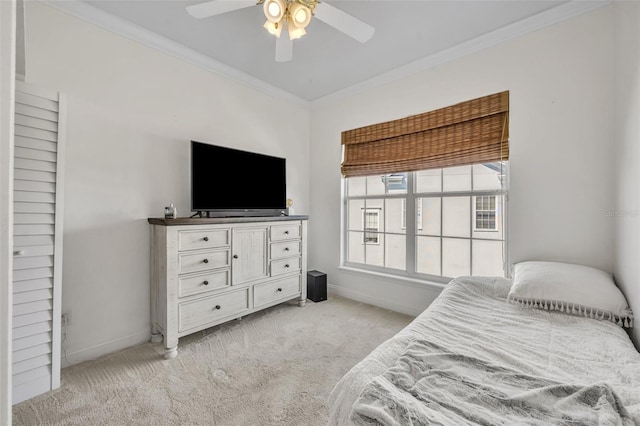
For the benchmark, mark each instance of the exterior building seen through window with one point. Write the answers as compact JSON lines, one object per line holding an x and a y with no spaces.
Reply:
{"x":431,"y":224}
{"x":485,"y":213}
{"x":371,"y":226}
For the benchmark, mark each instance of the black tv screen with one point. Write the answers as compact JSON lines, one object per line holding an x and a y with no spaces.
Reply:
{"x":232,"y":182}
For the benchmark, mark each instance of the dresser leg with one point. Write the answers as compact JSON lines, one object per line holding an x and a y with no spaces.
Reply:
{"x":302,"y":302}
{"x":170,"y":352}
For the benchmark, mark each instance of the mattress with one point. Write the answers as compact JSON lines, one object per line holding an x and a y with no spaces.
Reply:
{"x":472,"y":320}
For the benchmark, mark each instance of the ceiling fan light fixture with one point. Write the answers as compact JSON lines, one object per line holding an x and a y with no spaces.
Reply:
{"x":274,"y":28}
{"x":295,"y":15}
{"x":300,"y":15}
{"x":274,"y":10}
{"x":295,"y":32}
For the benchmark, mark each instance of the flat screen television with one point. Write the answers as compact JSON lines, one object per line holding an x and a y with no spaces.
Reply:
{"x":227,"y":182}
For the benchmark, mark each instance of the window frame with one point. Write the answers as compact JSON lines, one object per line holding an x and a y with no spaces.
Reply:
{"x":410,"y":231}
{"x":403,"y":215}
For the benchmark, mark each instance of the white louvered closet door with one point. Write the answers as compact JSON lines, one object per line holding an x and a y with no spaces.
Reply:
{"x":37,"y":262}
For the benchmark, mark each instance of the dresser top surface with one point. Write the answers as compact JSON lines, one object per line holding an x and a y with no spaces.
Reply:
{"x":216,"y":220}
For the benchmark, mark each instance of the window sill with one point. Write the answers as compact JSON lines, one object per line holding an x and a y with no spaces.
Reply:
{"x":414,"y":282}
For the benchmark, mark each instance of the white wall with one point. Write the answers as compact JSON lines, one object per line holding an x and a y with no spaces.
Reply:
{"x":561,"y":82}
{"x":131,"y":114}
{"x":627,"y":140}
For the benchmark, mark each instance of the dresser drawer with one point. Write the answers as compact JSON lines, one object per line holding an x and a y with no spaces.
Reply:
{"x":200,"y":283}
{"x":285,"y":288}
{"x":210,"y":309}
{"x":286,"y":249}
{"x":285,"y":232}
{"x":203,"y":238}
{"x":285,"y":266}
{"x":202,"y":260}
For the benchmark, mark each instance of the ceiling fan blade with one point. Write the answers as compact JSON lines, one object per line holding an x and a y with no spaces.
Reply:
{"x":217,"y":7}
{"x":284,"y":48}
{"x":351,"y":26}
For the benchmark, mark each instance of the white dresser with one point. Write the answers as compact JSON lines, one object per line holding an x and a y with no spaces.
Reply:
{"x":206,"y":271}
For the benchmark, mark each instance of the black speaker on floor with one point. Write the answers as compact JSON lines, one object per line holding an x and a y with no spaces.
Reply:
{"x":316,"y":286}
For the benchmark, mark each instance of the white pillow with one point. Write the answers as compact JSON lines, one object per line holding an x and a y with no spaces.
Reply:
{"x":572,"y":289}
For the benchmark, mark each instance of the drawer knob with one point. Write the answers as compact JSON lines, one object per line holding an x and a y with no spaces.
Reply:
{"x":206,"y":261}
{"x":279,"y":289}
{"x":286,"y":249}
{"x":218,"y":307}
{"x":235,"y":256}
{"x":286,"y":266}
{"x":206,"y":238}
{"x":286,"y":232}
{"x":206,"y":283}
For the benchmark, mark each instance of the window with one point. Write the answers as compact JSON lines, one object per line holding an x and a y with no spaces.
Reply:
{"x":435,"y":227}
{"x":371,"y":226}
{"x":437,"y":183}
{"x":485,"y":213}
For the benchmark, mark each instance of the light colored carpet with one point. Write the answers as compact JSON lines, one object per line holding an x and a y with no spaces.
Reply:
{"x":274,"y":367}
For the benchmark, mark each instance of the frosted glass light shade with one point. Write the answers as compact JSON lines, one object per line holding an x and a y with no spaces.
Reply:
{"x":274,"y":10}
{"x":274,"y":28}
{"x":295,"y":33}
{"x":300,"y":15}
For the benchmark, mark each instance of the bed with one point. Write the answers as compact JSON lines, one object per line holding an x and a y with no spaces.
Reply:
{"x":474,"y":358}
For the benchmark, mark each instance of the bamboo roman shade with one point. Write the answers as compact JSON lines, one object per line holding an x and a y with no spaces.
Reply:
{"x":475,"y":131}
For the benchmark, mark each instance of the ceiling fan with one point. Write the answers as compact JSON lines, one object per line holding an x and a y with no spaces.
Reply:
{"x":295,"y":15}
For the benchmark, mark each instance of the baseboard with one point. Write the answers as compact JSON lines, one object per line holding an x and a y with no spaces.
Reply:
{"x":368,"y":299}
{"x":70,"y":358}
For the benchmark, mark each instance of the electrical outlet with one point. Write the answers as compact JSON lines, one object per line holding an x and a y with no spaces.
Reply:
{"x":66,"y":319}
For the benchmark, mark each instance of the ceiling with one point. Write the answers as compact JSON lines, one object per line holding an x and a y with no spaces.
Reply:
{"x":326,"y":60}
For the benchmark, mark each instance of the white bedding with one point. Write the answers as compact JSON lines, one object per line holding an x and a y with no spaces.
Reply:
{"x":472,"y":318}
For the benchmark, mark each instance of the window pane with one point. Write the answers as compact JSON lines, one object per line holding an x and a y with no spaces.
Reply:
{"x":354,"y":215}
{"x":487,"y":176}
{"x":456,"y":255}
{"x":356,"y":186}
{"x":428,"y":181}
{"x":355,"y":249}
{"x":395,"y":248}
{"x":429,"y":223}
{"x":394,"y":211}
{"x":487,"y":258}
{"x":457,"y":178}
{"x":374,"y":252}
{"x":486,"y":220}
{"x":375,"y":185}
{"x":456,"y":216}
{"x":428,"y":255}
